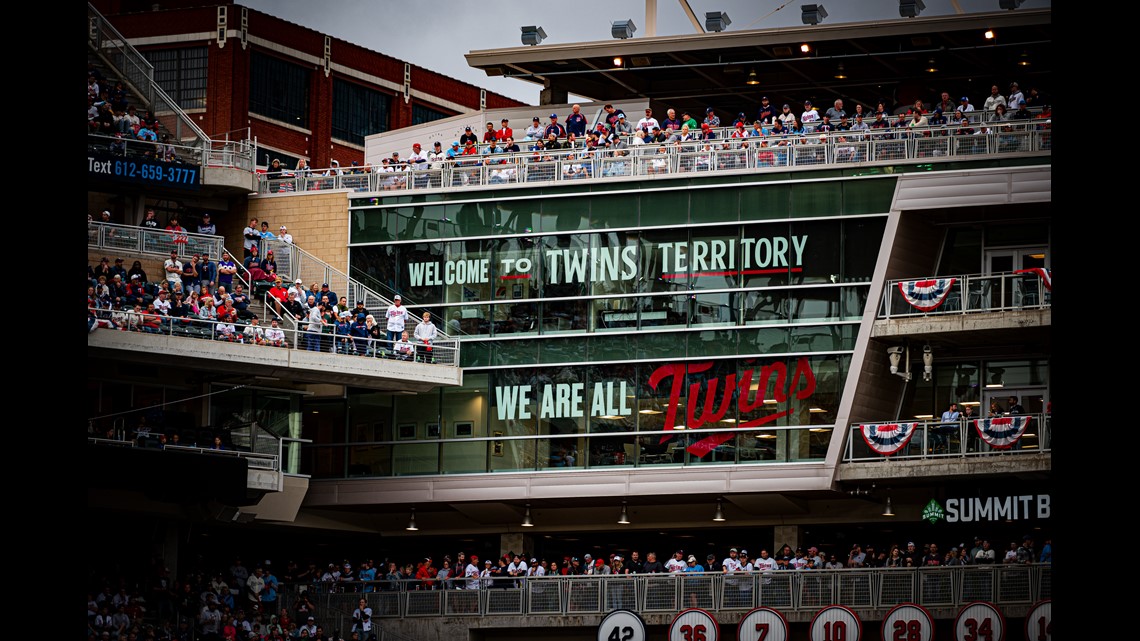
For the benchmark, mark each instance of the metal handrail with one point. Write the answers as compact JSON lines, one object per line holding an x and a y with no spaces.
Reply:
{"x":258,"y":460}
{"x":107,"y":42}
{"x":957,"y":439}
{"x":1000,"y":292}
{"x":937,"y":588}
{"x":293,"y":262}
{"x":442,"y":352}
{"x":759,"y":153}
{"x":145,"y":240}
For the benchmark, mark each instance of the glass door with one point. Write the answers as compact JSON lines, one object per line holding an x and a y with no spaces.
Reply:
{"x":1022,"y":290}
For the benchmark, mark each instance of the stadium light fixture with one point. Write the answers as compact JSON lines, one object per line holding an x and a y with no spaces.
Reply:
{"x":812,"y":13}
{"x":752,"y":79}
{"x":840,"y":74}
{"x":716,"y":21}
{"x":527,"y":521}
{"x":895,"y":354}
{"x":910,"y":8}
{"x":718,"y":516}
{"x":927,"y":362}
{"x":411,"y":527}
{"x":622,"y":29}
{"x":887,"y":511}
{"x":930,"y":66}
{"x":989,"y":34}
{"x":624,"y":518}
{"x":533,"y":35}
{"x":805,"y":48}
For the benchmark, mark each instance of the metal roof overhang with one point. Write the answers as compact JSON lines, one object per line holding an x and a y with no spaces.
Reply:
{"x":882,"y":59}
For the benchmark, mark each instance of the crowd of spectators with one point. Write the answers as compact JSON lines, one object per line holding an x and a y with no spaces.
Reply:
{"x":202,"y":298}
{"x":110,"y":114}
{"x":615,"y":134}
{"x":245,"y":603}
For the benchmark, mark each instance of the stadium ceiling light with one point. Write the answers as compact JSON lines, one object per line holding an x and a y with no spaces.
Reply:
{"x":812,"y":13}
{"x":718,"y":516}
{"x":895,"y":354}
{"x":930,"y":66}
{"x":910,"y":8}
{"x":533,"y":35}
{"x":412,"y":522}
{"x":927,"y":362}
{"x":989,"y":34}
{"x":622,"y":29}
{"x":840,"y":74}
{"x":887,"y":511}
{"x":752,"y":79}
{"x":527,"y":521}
{"x":805,"y":48}
{"x":617,"y":61}
{"x":624,"y":518}
{"x":716,"y":21}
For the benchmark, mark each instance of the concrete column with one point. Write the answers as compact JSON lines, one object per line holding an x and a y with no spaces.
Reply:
{"x":516,"y":542}
{"x":551,"y":95}
{"x":782,"y":534}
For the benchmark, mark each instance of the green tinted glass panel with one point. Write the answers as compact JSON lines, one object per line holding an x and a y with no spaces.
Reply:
{"x":763,"y":341}
{"x":522,"y":352}
{"x":660,"y":345}
{"x":562,"y":350}
{"x":415,"y":458}
{"x":565,"y":214}
{"x":463,"y":457}
{"x":616,"y":210}
{"x":612,"y":348}
{"x":760,"y":203}
{"x":475,"y":353}
{"x":372,"y":226}
{"x":714,"y":343}
{"x":715,"y":205}
{"x":867,"y":196}
{"x":665,"y":208}
{"x":817,"y":199}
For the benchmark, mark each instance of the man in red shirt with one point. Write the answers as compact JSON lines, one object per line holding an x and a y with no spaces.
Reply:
{"x":504,"y":132}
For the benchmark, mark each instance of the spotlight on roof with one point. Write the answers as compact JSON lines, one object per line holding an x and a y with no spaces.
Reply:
{"x":813,"y":13}
{"x":910,"y":8}
{"x":622,"y":29}
{"x":1009,"y":4}
{"x":533,"y":35}
{"x":716,"y":21}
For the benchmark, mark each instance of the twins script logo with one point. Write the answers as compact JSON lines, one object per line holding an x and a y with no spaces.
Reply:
{"x":801,"y":385}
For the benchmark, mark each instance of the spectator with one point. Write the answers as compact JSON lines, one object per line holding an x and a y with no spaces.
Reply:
{"x":227,"y":268}
{"x":149,"y":220}
{"x":425,"y":335}
{"x":403,"y":349}
{"x":648,"y":122}
{"x":810,"y":117}
{"x":986,"y":555}
{"x":468,"y":136}
{"x":251,"y":236}
{"x":207,"y":225}
{"x":284,"y":236}
{"x":274,"y":335}
{"x":173,"y":268}
{"x":994,"y":99}
{"x":1015,"y":96}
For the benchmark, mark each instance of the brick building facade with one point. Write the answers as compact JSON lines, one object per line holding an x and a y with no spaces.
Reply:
{"x":241,"y":46}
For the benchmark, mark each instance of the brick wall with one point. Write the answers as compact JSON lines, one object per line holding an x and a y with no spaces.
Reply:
{"x":318,"y":222}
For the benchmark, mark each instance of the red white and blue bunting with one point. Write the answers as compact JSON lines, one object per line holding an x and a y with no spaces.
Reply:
{"x":887,"y":438}
{"x":1046,"y":275}
{"x":1001,"y":433}
{"x":927,"y":294}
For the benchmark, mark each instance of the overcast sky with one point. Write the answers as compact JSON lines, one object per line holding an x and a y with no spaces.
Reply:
{"x":435,"y":34}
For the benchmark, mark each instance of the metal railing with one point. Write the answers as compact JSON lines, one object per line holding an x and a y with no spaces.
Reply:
{"x":971,"y":293}
{"x":773,"y":152}
{"x":136,"y":239}
{"x":787,"y":590}
{"x":442,"y":352}
{"x":107,"y":42}
{"x":938,"y":439}
{"x":255,"y":459}
{"x":294,"y":262}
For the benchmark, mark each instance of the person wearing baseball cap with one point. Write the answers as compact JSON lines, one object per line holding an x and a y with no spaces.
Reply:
{"x":558,"y":130}
{"x":468,"y":136}
{"x":505,"y":131}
